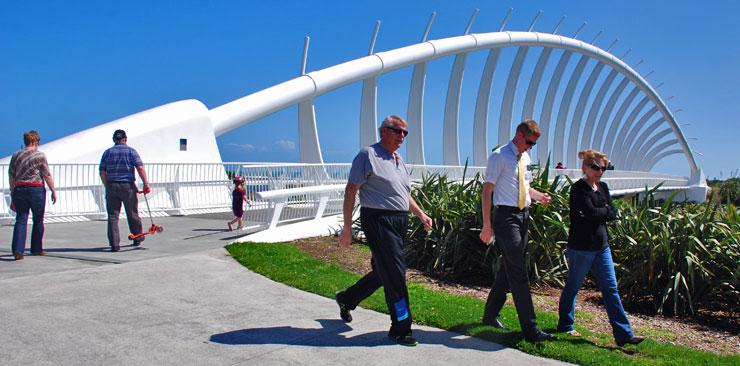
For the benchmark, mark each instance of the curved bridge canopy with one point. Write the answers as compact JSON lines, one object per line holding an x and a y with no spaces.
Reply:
{"x":616,"y":110}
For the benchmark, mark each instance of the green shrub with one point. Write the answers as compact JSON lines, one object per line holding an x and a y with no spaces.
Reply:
{"x":452,"y":249}
{"x":675,"y":257}
{"x":670,"y":258}
{"x":729,"y":191}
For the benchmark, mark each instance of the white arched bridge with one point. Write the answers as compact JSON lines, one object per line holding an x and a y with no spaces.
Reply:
{"x":590,"y":99}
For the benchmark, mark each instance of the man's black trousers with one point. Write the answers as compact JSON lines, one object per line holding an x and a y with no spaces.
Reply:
{"x":385,"y":232}
{"x":510,"y":226}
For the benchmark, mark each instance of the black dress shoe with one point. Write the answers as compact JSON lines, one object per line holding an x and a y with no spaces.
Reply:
{"x":538,"y":335}
{"x":494,"y":322}
{"x":343,"y":309}
{"x":115,"y":249}
{"x":633,"y":340}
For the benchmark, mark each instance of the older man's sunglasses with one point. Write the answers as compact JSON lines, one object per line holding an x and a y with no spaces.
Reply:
{"x":398,"y":131}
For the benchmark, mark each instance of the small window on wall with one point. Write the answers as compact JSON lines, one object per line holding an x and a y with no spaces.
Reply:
{"x":183,"y":144}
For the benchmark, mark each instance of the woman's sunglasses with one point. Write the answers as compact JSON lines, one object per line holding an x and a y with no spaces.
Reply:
{"x":597,"y":168}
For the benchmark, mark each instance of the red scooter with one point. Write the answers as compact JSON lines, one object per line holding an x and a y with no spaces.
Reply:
{"x":152,"y":229}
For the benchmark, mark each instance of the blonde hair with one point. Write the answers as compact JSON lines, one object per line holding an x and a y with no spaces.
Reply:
{"x":589,"y":156}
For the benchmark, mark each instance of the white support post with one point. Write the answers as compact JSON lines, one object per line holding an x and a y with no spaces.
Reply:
{"x":276,"y":210}
{"x":323,"y":200}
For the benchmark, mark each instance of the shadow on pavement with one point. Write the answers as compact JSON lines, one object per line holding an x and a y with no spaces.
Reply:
{"x":208,"y":233}
{"x":330,"y":335}
{"x":74,"y":250}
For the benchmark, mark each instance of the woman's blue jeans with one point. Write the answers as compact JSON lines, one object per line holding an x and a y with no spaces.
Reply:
{"x":600,"y":264}
{"x":25,"y":199}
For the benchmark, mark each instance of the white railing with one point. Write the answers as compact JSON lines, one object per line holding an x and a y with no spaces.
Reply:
{"x":277,"y":193}
{"x":623,"y":182}
{"x":176,"y":189}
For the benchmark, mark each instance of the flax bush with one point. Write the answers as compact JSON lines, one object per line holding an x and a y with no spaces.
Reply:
{"x":453,"y":251}
{"x":670,"y":258}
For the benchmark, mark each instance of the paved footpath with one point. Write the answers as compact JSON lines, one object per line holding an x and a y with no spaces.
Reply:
{"x":183,"y":301}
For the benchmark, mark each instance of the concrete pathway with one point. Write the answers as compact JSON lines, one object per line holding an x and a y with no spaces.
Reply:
{"x":183,"y":301}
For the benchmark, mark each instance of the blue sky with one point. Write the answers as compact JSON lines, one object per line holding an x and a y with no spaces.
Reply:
{"x":67,"y":66}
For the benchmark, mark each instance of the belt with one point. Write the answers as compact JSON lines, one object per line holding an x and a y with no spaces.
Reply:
{"x":29,"y":184}
{"x":382,"y":212}
{"x":511,"y":208}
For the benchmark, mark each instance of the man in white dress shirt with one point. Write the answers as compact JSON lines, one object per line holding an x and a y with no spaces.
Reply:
{"x":507,"y":178}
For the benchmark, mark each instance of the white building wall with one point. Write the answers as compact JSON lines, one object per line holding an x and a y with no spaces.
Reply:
{"x":154,"y":133}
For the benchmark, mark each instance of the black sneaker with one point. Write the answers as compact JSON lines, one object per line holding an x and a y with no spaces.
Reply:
{"x":343,"y":309}
{"x":404,"y":340}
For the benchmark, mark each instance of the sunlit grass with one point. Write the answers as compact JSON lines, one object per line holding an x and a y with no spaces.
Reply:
{"x":285,"y":263}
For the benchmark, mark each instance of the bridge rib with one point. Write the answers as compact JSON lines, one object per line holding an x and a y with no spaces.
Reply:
{"x":308,"y":136}
{"x":450,"y":135}
{"x":606,"y":113}
{"x":573,"y":143}
{"x":507,"y":103}
{"x":450,"y":125}
{"x":480,"y":119}
{"x":415,"y":116}
{"x":534,"y":84}
{"x":552,"y":88}
{"x":633,"y":144}
{"x":415,"y":110}
{"x":249,"y":108}
{"x":634,"y":161}
{"x":617,"y":121}
{"x":660,"y":157}
{"x":559,"y":138}
{"x":619,"y":143}
{"x":534,"y":81}
{"x":657,"y":150}
{"x":369,"y":112}
{"x":587,"y":133}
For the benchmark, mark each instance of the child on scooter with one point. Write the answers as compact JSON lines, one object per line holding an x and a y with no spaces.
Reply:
{"x":239,"y":196}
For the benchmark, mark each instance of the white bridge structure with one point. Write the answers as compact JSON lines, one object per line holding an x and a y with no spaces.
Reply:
{"x":601,"y":103}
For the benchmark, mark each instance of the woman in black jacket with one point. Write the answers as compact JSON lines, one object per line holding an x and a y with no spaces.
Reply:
{"x":588,"y":248}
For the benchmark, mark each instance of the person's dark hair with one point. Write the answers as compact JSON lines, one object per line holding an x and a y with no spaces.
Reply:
{"x":119,"y":135}
{"x":30,"y":137}
{"x":528,"y":128}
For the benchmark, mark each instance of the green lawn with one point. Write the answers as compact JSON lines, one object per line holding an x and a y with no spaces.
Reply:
{"x":284,"y":263}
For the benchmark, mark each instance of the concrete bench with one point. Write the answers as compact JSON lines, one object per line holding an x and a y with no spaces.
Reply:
{"x":278,"y":199}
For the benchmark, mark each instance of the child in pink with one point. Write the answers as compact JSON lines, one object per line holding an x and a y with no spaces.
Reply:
{"x":239,"y":196}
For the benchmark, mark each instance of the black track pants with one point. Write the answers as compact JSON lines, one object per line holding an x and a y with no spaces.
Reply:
{"x":385,"y":232}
